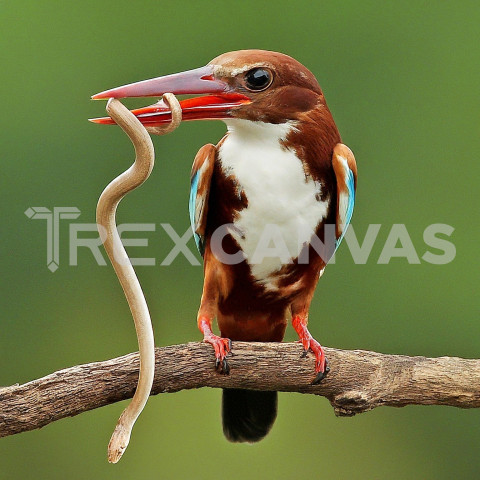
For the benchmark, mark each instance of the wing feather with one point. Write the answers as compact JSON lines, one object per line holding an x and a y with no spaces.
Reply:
{"x":345,"y":169}
{"x":200,"y":181}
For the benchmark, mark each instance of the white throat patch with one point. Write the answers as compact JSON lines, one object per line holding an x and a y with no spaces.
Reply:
{"x":283,"y":205}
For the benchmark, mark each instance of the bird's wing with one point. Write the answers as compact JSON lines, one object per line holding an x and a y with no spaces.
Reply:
{"x":200,"y":179}
{"x":345,"y":169}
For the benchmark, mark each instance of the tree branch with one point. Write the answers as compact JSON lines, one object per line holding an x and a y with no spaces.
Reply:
{"x":358,"y":381}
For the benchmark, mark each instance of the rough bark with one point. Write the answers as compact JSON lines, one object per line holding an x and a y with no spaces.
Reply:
{"x":358,"y":381}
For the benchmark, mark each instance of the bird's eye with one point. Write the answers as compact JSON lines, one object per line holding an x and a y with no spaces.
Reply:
{"x":258,"y":79}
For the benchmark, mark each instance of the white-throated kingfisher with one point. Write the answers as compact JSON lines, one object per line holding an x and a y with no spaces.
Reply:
{"x":280,"y":175}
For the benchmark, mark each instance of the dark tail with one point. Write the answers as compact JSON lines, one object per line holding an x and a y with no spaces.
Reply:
{"x":248,"y":415}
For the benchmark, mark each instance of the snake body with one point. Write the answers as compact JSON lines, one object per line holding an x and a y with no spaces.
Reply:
{"x":106,"y":221}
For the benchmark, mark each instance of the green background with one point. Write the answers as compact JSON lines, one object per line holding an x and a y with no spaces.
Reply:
{"x":401,"y":79}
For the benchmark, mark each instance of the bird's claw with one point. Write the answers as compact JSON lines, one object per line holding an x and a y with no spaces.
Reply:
{"x":222,"y":366}
{"x":222,"y":347}
{"x":321,"y":363}
{"x":321,"y":375}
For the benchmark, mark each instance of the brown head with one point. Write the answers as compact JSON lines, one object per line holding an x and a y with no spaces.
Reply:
{"x":279,"y":87}
{"x":256,"y":85}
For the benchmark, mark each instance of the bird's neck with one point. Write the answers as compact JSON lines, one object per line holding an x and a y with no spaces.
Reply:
{"x":312,"y":138}
{"x":256,"y":150}
{"x":259,"y":132}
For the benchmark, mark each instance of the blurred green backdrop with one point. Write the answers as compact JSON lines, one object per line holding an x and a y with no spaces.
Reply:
{"x":401,"y":79}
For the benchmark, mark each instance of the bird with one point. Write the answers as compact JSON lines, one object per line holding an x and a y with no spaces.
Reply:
{"x":280,"y":175}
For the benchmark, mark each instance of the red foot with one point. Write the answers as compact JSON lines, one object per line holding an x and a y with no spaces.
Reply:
{"x":309,"y":343}
{"x":222,"y":346}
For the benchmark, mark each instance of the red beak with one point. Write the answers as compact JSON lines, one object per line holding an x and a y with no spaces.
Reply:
{"x":198,"y":81}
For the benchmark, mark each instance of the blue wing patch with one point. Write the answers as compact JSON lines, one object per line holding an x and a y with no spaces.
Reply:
{"x":350,"y":181}
{"x":191,"y":210}
{"x":202,"y":171}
